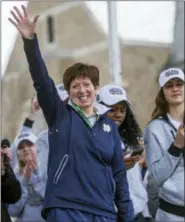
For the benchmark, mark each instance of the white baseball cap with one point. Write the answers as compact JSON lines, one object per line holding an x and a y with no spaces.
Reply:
{"x":26,"y":136}
{"x":62,"y":92}
{"x":112,"y":94}
{"x":169,"y":74}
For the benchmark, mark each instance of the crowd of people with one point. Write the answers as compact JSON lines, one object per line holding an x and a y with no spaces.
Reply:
{"x":94,"y":163}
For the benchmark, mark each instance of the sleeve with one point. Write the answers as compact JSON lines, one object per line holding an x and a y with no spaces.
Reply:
{"x":161,"y":163}
{"x":16,"y":209}
{"x":47,"y":95}
{"x":10,"y":187}
{"x":122,"y":196}
{"x":39,"y":183}
{"x":153,"y":196}
{"x":28,"y":124}
{"x":42,"y":145}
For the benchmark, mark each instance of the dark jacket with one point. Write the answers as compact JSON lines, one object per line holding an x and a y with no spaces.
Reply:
{"x":10,"y":192}
{"x":86,"y":170}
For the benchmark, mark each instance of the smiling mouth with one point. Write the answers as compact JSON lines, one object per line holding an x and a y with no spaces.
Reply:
{"x":176,"y":95}
{"x":83,"y":98}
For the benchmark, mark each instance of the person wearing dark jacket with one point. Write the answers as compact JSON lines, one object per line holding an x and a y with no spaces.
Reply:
{"x":10,"y":188}
{"x":87,"y":180}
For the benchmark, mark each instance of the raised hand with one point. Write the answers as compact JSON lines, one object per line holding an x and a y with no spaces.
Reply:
{"x":34,"y":109}
{"x":27,"y":171}
{"x":20,"y":20}
{"x":31,"y":164}
{"x":179,"y":140}
{"x":34,"y":105}
{"x":8,"y":153}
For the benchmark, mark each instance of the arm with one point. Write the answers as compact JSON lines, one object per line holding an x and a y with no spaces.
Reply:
{"x":39,"y":183}
{"x":122,"y":196}
{"x":15,"y":209}
{"x":47,"y":95}
{"x":153,"y":196}
{"x":161,"y":163}
{"x":10,"y":187}
{"x":42,"y":145}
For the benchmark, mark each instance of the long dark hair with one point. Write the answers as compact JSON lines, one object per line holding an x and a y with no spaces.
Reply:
{"x":130,"y":130}
{"x":161,"y":106}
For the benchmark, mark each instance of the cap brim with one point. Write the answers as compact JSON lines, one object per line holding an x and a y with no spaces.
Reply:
{"x":172,"y":77}
{"x":113,"y":102}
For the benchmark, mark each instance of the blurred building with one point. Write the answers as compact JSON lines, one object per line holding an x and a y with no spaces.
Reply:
{"x":69,"y":33}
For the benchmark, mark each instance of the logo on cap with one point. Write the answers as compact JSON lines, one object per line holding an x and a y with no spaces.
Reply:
{"x":171,"y":72}
{"x":115,"y":91}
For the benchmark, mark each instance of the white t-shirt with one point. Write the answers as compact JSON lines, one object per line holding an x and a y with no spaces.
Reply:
{"x":175,"y":123}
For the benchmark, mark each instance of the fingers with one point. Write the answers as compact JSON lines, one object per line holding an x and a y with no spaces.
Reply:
{"x":17,"y":16}
{"x":24,"y":11}
{"x":181,"y":127}
{"x":181,"y":130}
{"x":18,"y":12}
{"x":14,"y":16}
{"x":27,"y":171}
{"x":33,"y":161}
{"x":32,"y":100}
{"x":8,"y":153}
{"x":32,"y":165}
{"x":35,"y":19}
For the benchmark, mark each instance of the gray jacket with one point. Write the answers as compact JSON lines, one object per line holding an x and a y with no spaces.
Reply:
{"x":165,"y":162}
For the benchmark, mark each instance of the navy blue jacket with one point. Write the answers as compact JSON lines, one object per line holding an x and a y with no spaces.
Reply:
{"x":85,"y":165}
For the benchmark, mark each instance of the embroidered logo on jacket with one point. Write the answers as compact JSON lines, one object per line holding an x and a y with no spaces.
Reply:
{"x":106,"y":128}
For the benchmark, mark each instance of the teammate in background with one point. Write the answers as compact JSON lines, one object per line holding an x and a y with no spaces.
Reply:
{"x":164,"y":141}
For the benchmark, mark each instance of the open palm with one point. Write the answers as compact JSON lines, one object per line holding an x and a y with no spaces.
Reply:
{"x":22,"y":23}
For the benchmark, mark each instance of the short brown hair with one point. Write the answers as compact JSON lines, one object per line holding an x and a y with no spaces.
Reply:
{"x":161,"y":107}
{"x":81,"y":70}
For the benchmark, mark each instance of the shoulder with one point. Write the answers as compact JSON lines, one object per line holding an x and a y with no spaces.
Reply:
{"x":43,"y":134}
{"x":156,"y":125}
{"x":109,"y":121}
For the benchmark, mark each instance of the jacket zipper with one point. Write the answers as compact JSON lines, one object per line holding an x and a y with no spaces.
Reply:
{"x":60,"y":168}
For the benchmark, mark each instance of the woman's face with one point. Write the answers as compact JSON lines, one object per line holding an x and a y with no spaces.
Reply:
{"x":82,"y":92}
{"x":25,"y":150}
{"x":118,"y":113}
{"x":174,"y":91}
